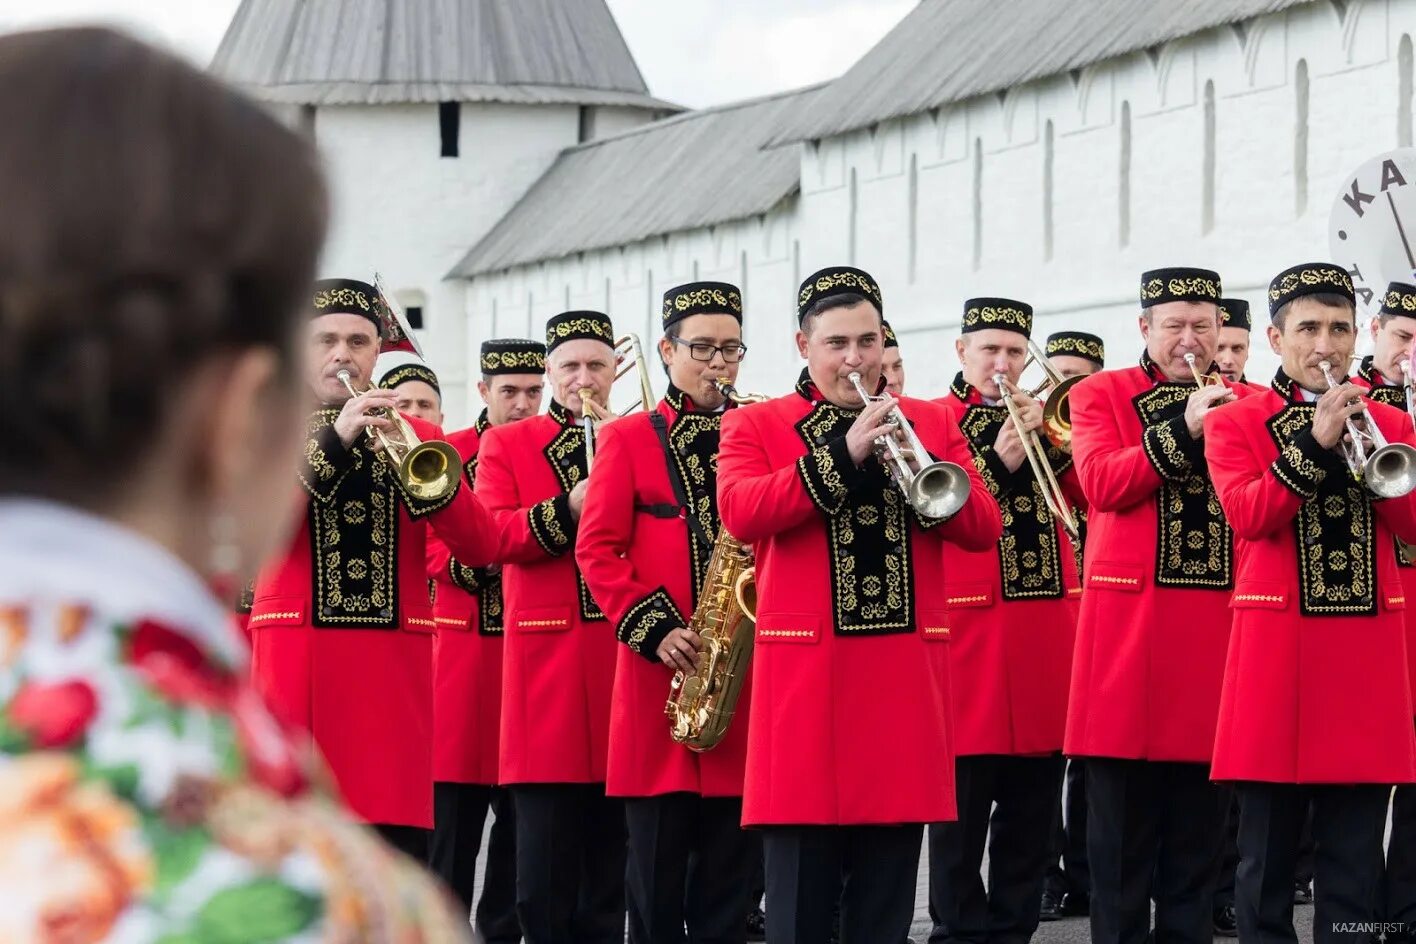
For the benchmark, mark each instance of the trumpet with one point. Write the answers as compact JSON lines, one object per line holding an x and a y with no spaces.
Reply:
{"x":1047,"y":483}
{"x":1389,"y":469}
{"x":428,"y":471}
{"x":1202,"y":380}
{"x":1056,"y":408}
{"x":935,"y":490}
{"x":631,"y":352}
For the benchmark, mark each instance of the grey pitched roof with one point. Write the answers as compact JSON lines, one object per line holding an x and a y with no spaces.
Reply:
{"x":949,"y":50}
{"x":341,"y":52}
{"x":693,"y":170}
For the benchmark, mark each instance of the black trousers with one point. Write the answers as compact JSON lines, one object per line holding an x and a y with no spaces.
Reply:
{"x":1067,"y":869}
{"x":1026,"y":791}
{"x":870,"y":870}
{"x":1400,"y":891}
{"x":1229,"y":860}
{"x":690,"y":866}
{"x":1348,"y":823}
{"x":570,"y":853}
{"x":459,"y":815}
{"x":1154,"y":830}
{"x":412,"y":841}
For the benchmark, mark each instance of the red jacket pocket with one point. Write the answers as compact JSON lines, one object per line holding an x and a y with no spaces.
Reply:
{"x":550,"y":619}
{"x":801,"y":628}
{"x":269,"y":612}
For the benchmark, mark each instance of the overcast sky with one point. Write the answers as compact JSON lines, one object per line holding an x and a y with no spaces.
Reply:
{"x":695,"y":52}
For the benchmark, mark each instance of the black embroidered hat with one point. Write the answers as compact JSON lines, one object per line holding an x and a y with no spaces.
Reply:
{"x":348,"y":297}
{"x":1003,"y":313}
{"x":1399,"y":300}
{"x":837,"y":280}
{"x":890,"y":339}
{"x":578,"y":325}
{"x":1309,"y":278}
{"x":1078,"y":344}
{"x":399,"y":367}
{"x":1179,"y":284}
{"x":702,"y":298}
{"x":513,"y":356}
{"x":1234,"y":313}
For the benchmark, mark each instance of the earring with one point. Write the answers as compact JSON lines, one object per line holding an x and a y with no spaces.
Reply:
{"x":224,"y":557}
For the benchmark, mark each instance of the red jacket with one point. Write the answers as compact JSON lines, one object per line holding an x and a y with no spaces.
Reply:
{"x":558,"y":656}
{"x":342,"y":624}
{"x":467,"y":652}
{"x":1013,"y":607}
{"x":851,"y":681}
{"x":1154,"y":620}
{"x":1382,"y":392}
{"x":646,"y":572}
{"x":1315,"y":688}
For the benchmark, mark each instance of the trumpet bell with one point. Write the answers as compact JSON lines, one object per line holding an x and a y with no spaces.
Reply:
{"x":1390,"y":472}
{"x":939,"y":490}
{"x":431,"y":469}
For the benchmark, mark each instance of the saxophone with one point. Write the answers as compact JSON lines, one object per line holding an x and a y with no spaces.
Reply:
{"x":701,"y":704}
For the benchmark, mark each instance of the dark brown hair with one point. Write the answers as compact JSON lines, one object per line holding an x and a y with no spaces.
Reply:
{"x":152,"y":218}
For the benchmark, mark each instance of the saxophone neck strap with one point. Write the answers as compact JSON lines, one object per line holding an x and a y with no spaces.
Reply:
{"x":661,"y":429}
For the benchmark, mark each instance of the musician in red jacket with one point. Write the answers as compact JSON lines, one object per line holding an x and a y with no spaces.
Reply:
{"x":1393,"y":330}
{"x":850,"y":748}
{"x":1067,"y":890}
{"x":1317,"y":704}
{"x":1232,"y":354}
{"x":467,"y":650}
{"x":650,"y":523}
{"x":558,"y":656}
{"x":1154,"y":622}
{"x":341,"y":624}
{"x":1012,"y":622}
{"x":892,"y":362}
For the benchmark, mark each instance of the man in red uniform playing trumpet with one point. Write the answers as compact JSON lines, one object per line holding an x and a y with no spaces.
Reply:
{"x":1154,"y":621}
{"x":467,"y":673}
{"x":849,"y":750}
{"x":1014,"y":611}
{"x":1316,"y":704}
{"x":1384,"y":374}
{"x":650,"y":523}
{"x":341,"y":626}
{"x":558,"y":662}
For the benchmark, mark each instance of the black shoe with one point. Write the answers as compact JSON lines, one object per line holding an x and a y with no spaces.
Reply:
{"x":1226,"y":923}
{"x":1076,"y":905}
{"x":1302,"y":893}
{"x":756,"y":925}
{"x":1051,"y":906}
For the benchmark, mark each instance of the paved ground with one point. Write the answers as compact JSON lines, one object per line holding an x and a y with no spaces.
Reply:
{"x":1066,"y":931}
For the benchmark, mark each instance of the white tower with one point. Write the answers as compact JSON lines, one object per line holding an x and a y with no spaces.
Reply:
{"x":434,"y":117}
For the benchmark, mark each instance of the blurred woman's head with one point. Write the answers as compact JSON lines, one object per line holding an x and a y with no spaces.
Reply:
{"x":159,"y":238}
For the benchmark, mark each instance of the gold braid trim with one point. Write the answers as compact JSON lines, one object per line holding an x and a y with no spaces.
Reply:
{"x":508,"y":361}
{"x":1078,"y":346}
{"x":546,"y":527}
{"x":1291,"y":282}
{"x":649,"y":620}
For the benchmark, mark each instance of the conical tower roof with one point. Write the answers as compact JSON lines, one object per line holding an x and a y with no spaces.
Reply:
{"x":344,"y":52}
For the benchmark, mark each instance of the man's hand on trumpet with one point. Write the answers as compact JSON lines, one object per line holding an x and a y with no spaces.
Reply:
{"x":368,"y":410}
{"x":1204,"y":399}
{"x":1335,"y":407}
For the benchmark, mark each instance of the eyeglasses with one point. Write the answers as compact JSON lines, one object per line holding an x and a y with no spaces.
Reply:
{"x":702,"y":351}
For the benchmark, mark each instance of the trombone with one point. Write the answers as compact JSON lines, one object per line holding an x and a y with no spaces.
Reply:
{"x":935,"y":490}
{"x":629,"y":355}
{"x":1056,"y":408}
{"x":1389,"y":469}
{"x":1046,"y":478}
{"x":428,"y":470}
